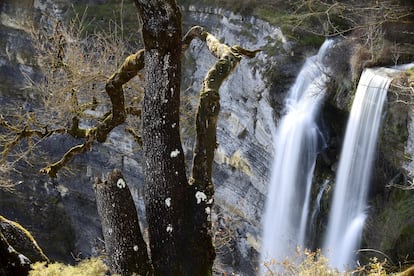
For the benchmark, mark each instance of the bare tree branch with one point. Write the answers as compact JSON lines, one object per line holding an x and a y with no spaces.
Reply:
{"x":129,"y":69}
{"x":209,"y":106}
{"x":206,"y":128}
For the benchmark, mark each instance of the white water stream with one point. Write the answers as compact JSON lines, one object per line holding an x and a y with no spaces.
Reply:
{"x":348,"y":211}
{"x":296,"y":141}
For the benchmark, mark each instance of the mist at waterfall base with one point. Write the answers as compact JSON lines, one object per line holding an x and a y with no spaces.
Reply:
{"x":297,"y":140}
{"x":349,"y":204}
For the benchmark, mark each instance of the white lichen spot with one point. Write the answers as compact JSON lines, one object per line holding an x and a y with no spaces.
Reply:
{"x":23,"y":259}
{"x":121,"y":183}
{"x":169,"y":228}
{"x":62,"y":190}
{"x":210,"y":201}
{"x":110,"y":231}
{"x":176,"y":172}
{"x":113,"y":205}
{"x":168,"y":201}
{"x":173,"y":125}
{"x":200,"y":196}
{"x":191,"y":181}
{"x":10,"y":249}
{"x":208,"y":210}
{"x":175,"y":153}
{"x":135,"y":248}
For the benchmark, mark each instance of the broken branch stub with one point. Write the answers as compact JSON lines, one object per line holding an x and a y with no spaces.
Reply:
{"x":124,"y":243}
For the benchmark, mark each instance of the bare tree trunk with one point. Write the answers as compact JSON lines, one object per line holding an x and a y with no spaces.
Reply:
{"x":126,"y":249}
{"x":166,"y":187}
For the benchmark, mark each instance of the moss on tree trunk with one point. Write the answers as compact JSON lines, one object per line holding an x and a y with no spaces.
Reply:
{"x":18,"y":249}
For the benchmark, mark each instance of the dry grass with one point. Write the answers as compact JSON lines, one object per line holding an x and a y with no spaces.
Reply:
{"x":304,"y":263}
{"x":309,"y":263}
{"x":90,"y":267}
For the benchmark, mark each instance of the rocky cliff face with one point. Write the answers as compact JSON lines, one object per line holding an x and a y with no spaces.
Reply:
{"x":37,"y":202}
{"x":17,"y":20}
{"x":62,"y":213}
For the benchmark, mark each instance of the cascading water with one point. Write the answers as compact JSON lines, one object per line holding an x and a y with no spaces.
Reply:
{"x":296,"y":142}
{"x":313,"y":228}
{"x":349,"y":204}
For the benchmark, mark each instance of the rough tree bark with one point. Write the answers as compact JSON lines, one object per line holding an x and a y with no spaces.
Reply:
{"x":114,"y":88}
{"x":164,"y":171}
{"x":125,"y":247}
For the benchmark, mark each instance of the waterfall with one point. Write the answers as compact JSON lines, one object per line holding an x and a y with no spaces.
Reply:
{"x":349,"y":204}
{"x":313,"y":228}
{"x":296,"y":142}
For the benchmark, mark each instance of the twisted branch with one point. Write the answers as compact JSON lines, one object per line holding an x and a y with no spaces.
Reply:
{"x":209,"y":106}
{"x":129,"y":69}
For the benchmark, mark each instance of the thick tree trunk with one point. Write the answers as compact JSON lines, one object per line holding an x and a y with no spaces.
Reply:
{"x":126,"y":249}
{"x":166,"y":185}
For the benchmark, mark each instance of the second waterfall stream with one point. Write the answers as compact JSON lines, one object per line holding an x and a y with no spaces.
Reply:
{"x":349,"y":204}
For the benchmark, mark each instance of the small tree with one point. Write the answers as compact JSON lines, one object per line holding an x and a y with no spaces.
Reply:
{"x":177,"y":208}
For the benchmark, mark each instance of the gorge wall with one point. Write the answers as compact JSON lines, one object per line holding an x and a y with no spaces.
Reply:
{"x":61,"y":213}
